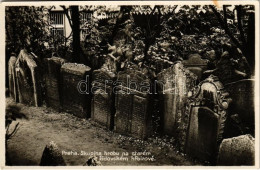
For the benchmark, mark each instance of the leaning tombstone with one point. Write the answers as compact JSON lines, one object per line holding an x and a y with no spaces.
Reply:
{"x":196,"y":64}
{"x":53,"y":82}
{"x":238,"y":150}
{"x":133,"y":101}
{"x":173,"y":85}
{"x":27,"y":79}
{"x":103,"y":101}
{"x":75,"y":89}
{"x":12,"y":78}
{"x":207,"y":115}
{"x":52,"y":156}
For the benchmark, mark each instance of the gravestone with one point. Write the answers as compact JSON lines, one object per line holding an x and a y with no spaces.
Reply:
{"x":133,"y":101}
{"x":52,"y":156}
{"x":196,"y":64}
{"x":237,"y":151}
{"x":173,"y":86}
{"x":208,"y":109}
{"x":242,"y":94}
{"x":27,"y":79}
{"x":53,"y":82}
{"x":103,"y":101}
{"x":12,"y":78}
{"x":75,"y":85}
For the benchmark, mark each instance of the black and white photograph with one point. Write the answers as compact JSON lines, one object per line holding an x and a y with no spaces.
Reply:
{"x":131,"y":84}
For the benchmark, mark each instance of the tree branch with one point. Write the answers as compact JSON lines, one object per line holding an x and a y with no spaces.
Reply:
{"x":67,"y":14}
{"x":8,"y":136}
{"x":222,"y":23}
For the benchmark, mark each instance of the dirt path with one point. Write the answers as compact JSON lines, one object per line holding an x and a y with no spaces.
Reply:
{"x":79,"y":135}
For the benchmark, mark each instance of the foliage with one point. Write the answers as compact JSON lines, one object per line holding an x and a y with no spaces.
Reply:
{"x":167,"y":34}
{"x":192,"y":29}
{"x":26,"y":27}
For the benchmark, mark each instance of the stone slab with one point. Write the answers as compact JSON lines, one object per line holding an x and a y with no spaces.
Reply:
{"x":237,"y":151}
{"x":53,"y":82}
{"x":72,"y":100}
{"x":12,"y":78}
{"x":173,"y":85}
{"x":28,"y":85}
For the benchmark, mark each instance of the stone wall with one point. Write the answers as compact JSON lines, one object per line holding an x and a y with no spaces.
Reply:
{"x":72,"y":100}
{"x":27,"y":73}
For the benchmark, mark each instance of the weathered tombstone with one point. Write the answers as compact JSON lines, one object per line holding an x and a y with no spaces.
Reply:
{"x":133,"y":101}
{"x":242,"y":94}
{"x":103,"y":101}
{"x":12,"y":78}
{"x":52,"y":156}
{"x":237,"y":151}
{"x":27,"y":78}
{"x":53,"y":82}
{"x":208,"y":109}
{"x":196,"y":64}
{"x":75,"y":85}
{"x":173,"y":86}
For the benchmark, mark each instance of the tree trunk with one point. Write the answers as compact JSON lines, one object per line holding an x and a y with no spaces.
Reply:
{"x":76,"y":33}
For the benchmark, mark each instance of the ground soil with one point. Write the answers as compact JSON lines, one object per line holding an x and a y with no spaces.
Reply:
{"x":70,"y":133}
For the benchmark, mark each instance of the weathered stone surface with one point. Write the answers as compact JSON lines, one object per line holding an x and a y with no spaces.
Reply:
{"x":207,"y":114}
{"x":123,"y":112}
{"x":52,"y":156}
{"x":237,"y":151}
{"x":173,"y":86}
{"x":27,"y":73}
{"x":103,"y":101}
{"x":133,"y":114}
{"x":73,"y":101}
{"x":93,"y":161}
{"x":53,"y":82}
{"x":242,"y":94}
{"x":196,"y":64}
{"x":12,"y":78}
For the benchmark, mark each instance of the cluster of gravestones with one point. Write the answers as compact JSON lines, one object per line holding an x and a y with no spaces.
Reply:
{"x":195,"y":114}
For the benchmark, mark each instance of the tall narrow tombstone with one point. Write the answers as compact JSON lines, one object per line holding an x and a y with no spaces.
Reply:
{"x":173,"y":86}
{"x":208,"y":110}
{"x":76,"y":97}
{"x":103,"y":101}
{"x":12,"y":78}
{"x":133,"y":101}
{"x":53,"y":82}
{"x":196,"y":64}
{"x":27,"y":78}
